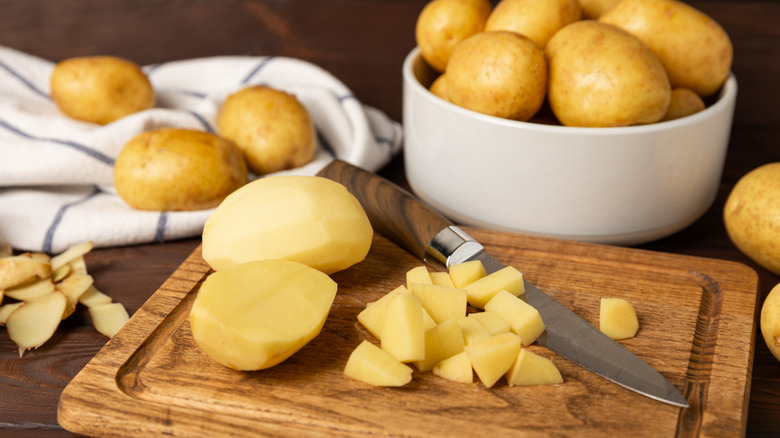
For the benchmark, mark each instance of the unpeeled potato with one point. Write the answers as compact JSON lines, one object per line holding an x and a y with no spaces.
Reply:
{"x":271,"y":126}
{"x":694,"y":49}
{"x":602,"y":76}
{"x":100,"y":89}
{"x":536,"y":19}
{"x":499,"y":73}
{"x":442,"y":24}
{"x":770,"y":321}
{"x":684,"y":103}
{"x":173,"y":169}
{"x":592,"y":9}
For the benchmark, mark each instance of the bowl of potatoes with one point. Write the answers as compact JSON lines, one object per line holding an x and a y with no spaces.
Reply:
{"x":605,"y":127}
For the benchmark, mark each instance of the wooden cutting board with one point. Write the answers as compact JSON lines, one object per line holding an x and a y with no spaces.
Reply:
{"x":697,"y":328}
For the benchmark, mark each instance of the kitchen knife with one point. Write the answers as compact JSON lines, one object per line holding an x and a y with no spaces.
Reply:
{"x":418,"y":228}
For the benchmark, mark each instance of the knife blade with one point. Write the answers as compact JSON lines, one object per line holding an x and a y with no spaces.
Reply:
{"x":409,"y":222}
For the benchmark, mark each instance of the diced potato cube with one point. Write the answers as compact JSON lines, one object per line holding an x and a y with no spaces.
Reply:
{"x":373,"y":316}
{"x":370,"y":364}
{"x":493,"y":323}
{"x":617,"y":318}
{"x":523,"y":319}
{"x":482,"y":290}
{"x":531,"y":369}
{"x":442,"y":279}
{"x":433,"y":351}
{"x":441,"y":302}
{"x":456,"y":368}
{"x":451,"y":337}
{"x":418,"y":274}
{"x":491,"y":358}
{"x":472,"y":330}
{"x":466,"y":273}
{"x":402,"y":333}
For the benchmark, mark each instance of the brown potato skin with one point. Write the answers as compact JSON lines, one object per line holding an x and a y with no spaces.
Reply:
{"x":602,"y":76}
{"x":271,"y":127}
{"x":499,"y":73}
{"x":173,"y":169}
{"x":100,"y":89}
{"x":536,"y":19}
{"x":694,"y":49}
{"x":684,"y":103}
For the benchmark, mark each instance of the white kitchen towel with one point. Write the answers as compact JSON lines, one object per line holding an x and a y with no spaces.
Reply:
{"x":56,"y":173}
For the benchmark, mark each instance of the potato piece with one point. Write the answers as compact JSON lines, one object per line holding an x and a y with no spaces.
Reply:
{"x":466,"y":272}
{"x":418,"y":274}
{"x":439,"y":87}
{"x":93,"y":297}
{"x":593,"y":9}
{"x":531,"y":369}
{"x":493,"y":323}
{"x":482,"y":290}
{"x":602,"y":76}
{"x":370,"y":364}
{"x":695,"y":50}
{"x":259,"y":313}
{"x":538,"y":20}
{"x":769,"y":321}
{"x":523,"y":319}
{"x":308,"y":219}
{"x":451,"y":337}
{"x":442,"y":24}
{"x":271,"y":127}
{"x":71,"y":254}
{"x":34,"y":322}
{"x":617,"y":318}
{"x":100,"y":89}
{"x":403,"y":335}
{"x":73,"y":287}
{"x":434,"y":353}
{"x":108,"y":318}
{"x":60,"y":273}
{"x":16,"y":270}
{"x":373,"y":316}
{"x":441,"y":279}
{"x":28,"y":291}
{"x":684,"y":103}
{"x":472,"y":330}
{"x":491,"y":358}
{"x":173,"y":169}
{"x":6,"y":310}
{"x":498,"y":73}
{"x":441,"y":302}
{"x":456,"y":368}
{"x":78,"y":265}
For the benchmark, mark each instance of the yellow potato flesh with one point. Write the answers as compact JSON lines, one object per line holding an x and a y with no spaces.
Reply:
{"x":259,"y":313}
{"x":456,"y":368}
{"x":523,"y":319}
{"x":370,"y":364}
{"x":602,"y":76}
{"x":441,"y":302}
{"x":466,"y":272}
{"x":491,"y":358}
{"x":418,"y":274}
{"x":531,"y":369}
{"x":403,"y":335}
{"x":482,"y":290}
{"x":308,"y":219}
{"x":617,"y":318}
{"x":451,"y":337}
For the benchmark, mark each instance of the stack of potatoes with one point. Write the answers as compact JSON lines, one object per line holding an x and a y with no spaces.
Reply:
{"x":598,"y":63}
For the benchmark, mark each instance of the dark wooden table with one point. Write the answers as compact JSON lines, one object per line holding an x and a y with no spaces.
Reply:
{"x":363,"y":42}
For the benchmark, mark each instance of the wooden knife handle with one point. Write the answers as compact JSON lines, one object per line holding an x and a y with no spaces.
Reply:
{"x":394,"y":212}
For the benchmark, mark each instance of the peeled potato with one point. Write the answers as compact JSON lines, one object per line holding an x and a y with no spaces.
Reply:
{"x":178,"y":169}
{"x":602,"y":76}
{"x":100,"y":89}
{"x":442,"y":24}
{"x":272,"y":128}
{"x":259,"y":313}
{"x":308,"y":219}
{"x":499,"y":73}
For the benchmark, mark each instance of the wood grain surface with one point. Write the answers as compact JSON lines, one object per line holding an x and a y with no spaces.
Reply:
{"x":696,"y":318}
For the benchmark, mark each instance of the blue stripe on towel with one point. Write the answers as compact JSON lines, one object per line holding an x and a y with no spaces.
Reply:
{"x":162,"y":221}
{"x":257,"y":69}
{"x":49,"y":238}
{"x":79,"y":147}
{"x":24,"y":80}
{"x":202,"y":121}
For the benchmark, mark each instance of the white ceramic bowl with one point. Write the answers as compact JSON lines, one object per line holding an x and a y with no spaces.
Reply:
{"x":619,"y":186}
